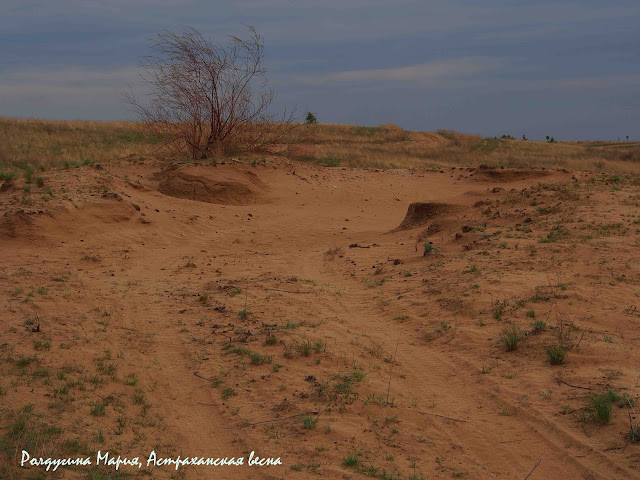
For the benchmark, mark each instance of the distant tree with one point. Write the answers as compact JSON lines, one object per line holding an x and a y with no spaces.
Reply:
{"x":310,"y":118}
{"x":208,"y":98}
{"x":524,"y":137}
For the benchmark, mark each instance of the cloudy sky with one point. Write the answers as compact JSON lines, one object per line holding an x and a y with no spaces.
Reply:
{"x":567,"y":68}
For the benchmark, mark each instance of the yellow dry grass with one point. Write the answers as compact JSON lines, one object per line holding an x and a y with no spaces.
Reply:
{"x":44,"y":144}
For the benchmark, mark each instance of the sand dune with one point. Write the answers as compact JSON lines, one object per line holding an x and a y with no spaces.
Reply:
{"x":350,"y":322}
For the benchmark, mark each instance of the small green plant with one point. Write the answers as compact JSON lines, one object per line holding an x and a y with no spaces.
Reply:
{"x":626,"y":401}
{"x":601,"y":405}
{"x":308,"y":422}
{"x":138,"y":397}
{"x":258,"y":359}
{"x":511,"y":336}
{"x":304,"y":348}
{"x":227,"y":393}
{"x":40,"y":345}
{"x":243,"y":314}
{"x":556,"y":234}
{"x":98,"y":409}
{"x":428,"y":248}
{"x":310,"y":119}
{"x":556,"y":353}
{"x":271,"y":340}
{"x":351,"y":461}
{"x":538,"y":327}
{"x":634,"y":434}
{"x":7,"y":176}
{"x":203,"y":299}
{"x":39,"y":181}
{"x":498,"y":308}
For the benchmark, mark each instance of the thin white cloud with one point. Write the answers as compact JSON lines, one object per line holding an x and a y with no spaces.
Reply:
{"x":427,"y":74}
{"x":585,"y":82}
{"x":66,"y":92}
{"x":69,"y":77}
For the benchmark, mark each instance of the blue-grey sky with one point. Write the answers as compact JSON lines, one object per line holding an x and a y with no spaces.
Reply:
{"x":566,"y":68}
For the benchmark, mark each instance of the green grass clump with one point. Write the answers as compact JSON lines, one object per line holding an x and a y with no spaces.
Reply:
{"x":227,"y":393}
{"x":308,"y":422}
{"x":601,"y":405}
{"x":626,"y":401}
{"x":633,"y":435}
{"x":511,"y":336}
{"x":538,"y":327}
{"x":98,"y":409}
{"x":304,"y":348}
{"x":7,"y":176}
{"x":556,"y":353}
{"x":351,"y":461}
{"x":258,"y":359}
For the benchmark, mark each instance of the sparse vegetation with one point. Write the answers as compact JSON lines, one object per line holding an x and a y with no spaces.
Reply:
{"x":309,"y":422}
{"x":601,"y":406}
{"x":556,"y":353}
{"x":511,"y":337}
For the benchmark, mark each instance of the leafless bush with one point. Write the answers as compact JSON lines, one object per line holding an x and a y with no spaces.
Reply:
{"x":208,"y":98}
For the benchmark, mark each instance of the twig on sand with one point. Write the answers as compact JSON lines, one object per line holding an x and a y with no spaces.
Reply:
{"x":514,"y":441}
{"x":289,"y":291}
{"x":391,"y":369}
{"x":442,"y":416}
{"x":534,"y":467}
{"x":313,"y":412}
{"x":559,"y":380}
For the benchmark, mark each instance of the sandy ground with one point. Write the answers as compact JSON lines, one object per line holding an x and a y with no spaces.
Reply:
{"x":291,"y":310}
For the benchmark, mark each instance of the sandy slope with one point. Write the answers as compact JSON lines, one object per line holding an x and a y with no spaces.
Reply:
{"x":147,"y":274}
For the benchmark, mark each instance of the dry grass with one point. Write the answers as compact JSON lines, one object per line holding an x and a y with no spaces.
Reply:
{"x":391,"y":147}
{"x":43,"y":143}
{"x":52,"y":143}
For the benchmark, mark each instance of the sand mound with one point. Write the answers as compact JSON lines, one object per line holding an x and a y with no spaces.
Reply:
{"x":179,"y":184}
{"x":484,"y":172}
{"x":419,"y":214}
{"x":14,"y":224}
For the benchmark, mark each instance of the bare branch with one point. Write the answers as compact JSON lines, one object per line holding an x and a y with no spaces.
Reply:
{"x":207,"y":98}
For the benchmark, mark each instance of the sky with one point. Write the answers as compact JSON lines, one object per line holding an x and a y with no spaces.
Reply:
{"x":565,"y":68}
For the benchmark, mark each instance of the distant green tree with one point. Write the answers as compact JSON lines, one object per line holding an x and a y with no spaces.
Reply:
{"x":310,"y":118}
